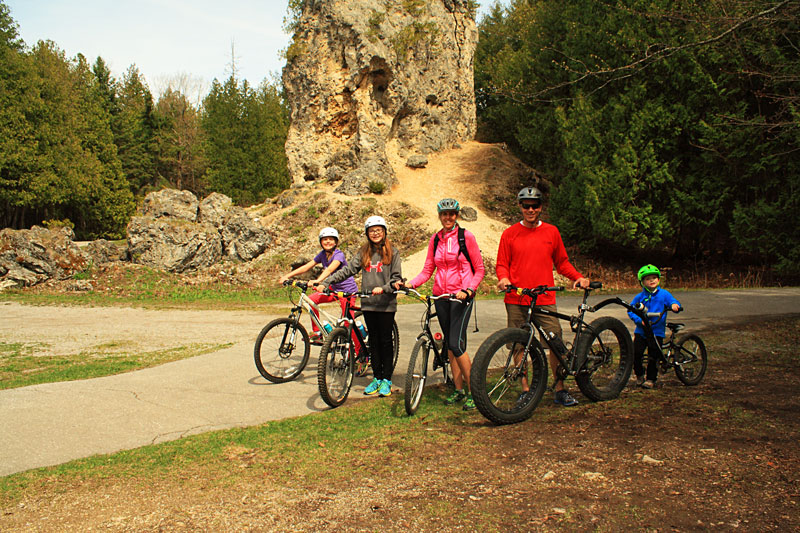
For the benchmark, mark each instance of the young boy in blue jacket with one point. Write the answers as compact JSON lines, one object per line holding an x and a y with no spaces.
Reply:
{"x":655,"y":300}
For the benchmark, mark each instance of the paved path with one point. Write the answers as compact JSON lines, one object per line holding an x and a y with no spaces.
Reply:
{"x":53,"y":423}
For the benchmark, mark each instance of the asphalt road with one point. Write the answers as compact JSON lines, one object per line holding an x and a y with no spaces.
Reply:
{"x":56,"y":422}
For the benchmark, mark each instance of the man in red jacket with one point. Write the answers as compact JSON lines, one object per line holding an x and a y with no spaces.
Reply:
{"x":527,"y":254}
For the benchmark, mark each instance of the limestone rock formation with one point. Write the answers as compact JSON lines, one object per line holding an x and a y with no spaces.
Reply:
{"x":367,"y":80}
{"x":175,"y":232}
{"x":30,"y":256}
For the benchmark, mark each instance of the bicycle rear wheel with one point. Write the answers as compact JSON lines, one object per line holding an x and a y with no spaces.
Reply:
{"x":336,"y":367}
{"x":281,"y":350}
{"x":606,"y":350}
{"x":497,"y":376}
{"x":417,"y":374}
{"x":691,"y":358}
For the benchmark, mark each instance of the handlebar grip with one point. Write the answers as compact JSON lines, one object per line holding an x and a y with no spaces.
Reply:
{"x":595,"y":285}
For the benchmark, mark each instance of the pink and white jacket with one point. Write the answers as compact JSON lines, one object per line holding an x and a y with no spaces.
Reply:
{"x":453,"y":272}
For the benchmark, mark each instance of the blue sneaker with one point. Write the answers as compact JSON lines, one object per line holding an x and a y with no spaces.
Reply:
{"x":372,"y":388}
{"x":386,"y":388}
{"x":564,"y":398}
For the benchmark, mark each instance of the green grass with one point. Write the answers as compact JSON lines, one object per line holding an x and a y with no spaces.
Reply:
{"x":153,"y":289}
{"x":20,"y":368}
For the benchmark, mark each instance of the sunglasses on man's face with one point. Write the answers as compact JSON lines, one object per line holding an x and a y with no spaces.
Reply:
{"x":535,"y":205}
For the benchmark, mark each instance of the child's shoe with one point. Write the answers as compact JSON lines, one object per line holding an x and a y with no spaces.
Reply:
{"x":456,"y":397}
{"x":649,"y":384}
{"x":373,"y":387}
{"x":565,"y":399}
{"x":385,"y":388}
{"x":469,"y":403}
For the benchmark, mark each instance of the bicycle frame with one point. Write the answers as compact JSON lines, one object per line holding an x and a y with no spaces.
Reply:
{"x":653,"y":345}
{"x":565,"y":355}
{"x":439,"y":356}
{"x":305,"y":303}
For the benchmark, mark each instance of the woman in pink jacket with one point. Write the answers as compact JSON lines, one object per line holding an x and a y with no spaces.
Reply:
{"x":453,"y":252}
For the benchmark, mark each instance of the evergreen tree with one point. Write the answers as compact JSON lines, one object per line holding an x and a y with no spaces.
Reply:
{"x":662,"y":124}
{"x":179,"y":137}
{"x":135,"y":131}
{"x":244,"y":134}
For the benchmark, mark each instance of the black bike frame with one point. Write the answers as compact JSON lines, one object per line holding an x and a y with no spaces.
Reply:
{"x":653,"y":346}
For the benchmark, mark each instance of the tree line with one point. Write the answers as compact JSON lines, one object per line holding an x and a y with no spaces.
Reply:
{"x":664,"y":126}
{"x":78,"y":147}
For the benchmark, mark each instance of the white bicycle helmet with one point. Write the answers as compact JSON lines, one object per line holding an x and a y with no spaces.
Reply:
{"x":375,"y":220}
{"x":530,"y":193}
{"x":329,"y":232}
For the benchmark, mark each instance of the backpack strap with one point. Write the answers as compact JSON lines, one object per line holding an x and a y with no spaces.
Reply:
{"x":462,"y":246}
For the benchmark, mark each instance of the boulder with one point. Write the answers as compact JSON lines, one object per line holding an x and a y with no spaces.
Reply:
{"x":468,"y":214}
{"x":28,"y":257}
{"x":365,"y":80}
{"x":103,"y":251}
{"x":173,"y":244}
{"x":242,"y":238}
{"x":167,"y":236}
{"x":214,"y":208}
{"x":170,"y":203}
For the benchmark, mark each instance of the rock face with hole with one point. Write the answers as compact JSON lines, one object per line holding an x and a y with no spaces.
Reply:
{"x":366,"y":81}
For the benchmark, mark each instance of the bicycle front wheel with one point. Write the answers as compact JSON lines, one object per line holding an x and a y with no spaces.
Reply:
{"x":281,"y":350}
{"x":691,"y":358}
{"x":336,"y":367}
{"x":606,"y":350}
{"x":417,"y":374}
{"x":502,"y":370}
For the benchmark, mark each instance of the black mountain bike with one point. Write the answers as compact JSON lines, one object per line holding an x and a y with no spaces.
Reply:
{"x":686,"y":354}
{"x":427,"y":343}
{"x":509,"y":372}
{"x":345,"y":349}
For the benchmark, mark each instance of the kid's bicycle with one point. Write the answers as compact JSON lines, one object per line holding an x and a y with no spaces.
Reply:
{"x":283,"y":346}
{"x":509,"y":372}
{"x":345,"y":353}
{"x":686,"y":354}
{"x":427,"y":343}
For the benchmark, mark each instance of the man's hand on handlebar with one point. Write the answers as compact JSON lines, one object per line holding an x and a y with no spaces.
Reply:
{"x":583,"y":283}
{"x":503,"y":284}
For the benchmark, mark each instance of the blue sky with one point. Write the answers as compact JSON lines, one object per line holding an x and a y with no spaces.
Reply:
{"x":166,"y":39}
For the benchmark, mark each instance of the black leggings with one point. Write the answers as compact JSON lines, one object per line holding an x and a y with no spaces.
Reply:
{"x":379,"y":327}
{"x":453,"y":319}
{"x":639,"y":347}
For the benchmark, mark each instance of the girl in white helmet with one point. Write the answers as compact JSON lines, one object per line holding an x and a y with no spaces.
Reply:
{"x":332,"y":259}
{"x":379,"y":264}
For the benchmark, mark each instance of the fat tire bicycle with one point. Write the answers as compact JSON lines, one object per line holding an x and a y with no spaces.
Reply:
{"x":427,"y":342}
{"x":686,"y":353}
{"x":339,"y":356}
{"x":283,"y":346}
{"x":600,"y":359}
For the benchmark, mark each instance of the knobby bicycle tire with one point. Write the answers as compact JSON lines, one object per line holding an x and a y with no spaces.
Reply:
{"x":281,"y":350}
{"x":606,"y":351}
{"x":336,"y":367}
{"x":417,"y":373}
{"x":692,"y":358}
{"x":496,"y":381}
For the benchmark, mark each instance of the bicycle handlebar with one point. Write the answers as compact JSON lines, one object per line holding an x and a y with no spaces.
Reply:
{"x":536,"y":291}
{"x":408,"y":291}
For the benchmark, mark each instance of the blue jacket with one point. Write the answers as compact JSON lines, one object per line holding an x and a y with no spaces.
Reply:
{"x":654,"y":303}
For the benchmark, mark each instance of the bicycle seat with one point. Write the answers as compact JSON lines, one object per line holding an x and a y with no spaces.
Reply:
{"x":675,"y":326}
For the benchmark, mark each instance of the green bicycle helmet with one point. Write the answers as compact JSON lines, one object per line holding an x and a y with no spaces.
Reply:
{"x":448,"y":204}
{"x":648,"y":270}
